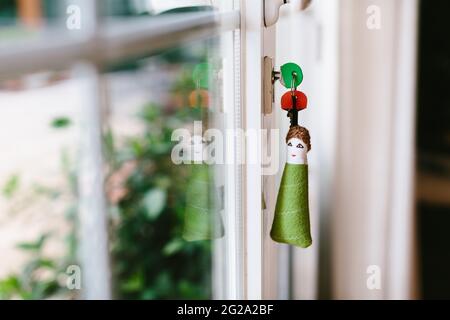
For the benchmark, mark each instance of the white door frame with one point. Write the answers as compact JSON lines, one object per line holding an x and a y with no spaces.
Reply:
{"x":260,"y":253}
{"x":251,"y":54}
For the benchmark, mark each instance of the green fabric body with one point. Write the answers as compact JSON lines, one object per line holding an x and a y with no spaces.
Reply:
{"x":202,"y":220}
{"x":291,"y":221}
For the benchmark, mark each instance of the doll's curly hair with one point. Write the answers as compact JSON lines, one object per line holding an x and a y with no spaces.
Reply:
{"x":299,"y":133}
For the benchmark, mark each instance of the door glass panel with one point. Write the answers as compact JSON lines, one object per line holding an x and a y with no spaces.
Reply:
{"x":173,"y":228}
{"x":39,"y":130}
{"x":166,"y":216}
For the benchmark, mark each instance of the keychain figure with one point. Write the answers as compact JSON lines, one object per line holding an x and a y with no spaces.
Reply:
{"x":202,"y":220}
{"x":291,"y":222}
{"x":204,"y":200}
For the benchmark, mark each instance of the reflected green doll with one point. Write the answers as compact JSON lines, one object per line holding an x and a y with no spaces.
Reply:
{"x":202,"y":220}
{"x":291,"y":222}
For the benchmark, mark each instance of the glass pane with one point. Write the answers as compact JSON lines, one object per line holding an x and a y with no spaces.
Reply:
{"x":167,"y":216}
{"x":21,"y":19}
{"x":39,"y":130}
{"x":170,"y":223}
{"x":173,"y":228}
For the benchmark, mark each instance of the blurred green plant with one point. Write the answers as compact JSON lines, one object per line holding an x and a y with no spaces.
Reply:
{"x":146,"y":193}
{"x":40,"y":277}
{"x":8,"y":8}
{"x":60,"y":122}
{"x":11,"y":186}
{"x":43,"y":276}
{"x":151,"y":260}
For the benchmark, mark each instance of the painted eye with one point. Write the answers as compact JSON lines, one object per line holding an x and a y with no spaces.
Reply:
{"x":290,"y":144}
{"x":300,"y":146}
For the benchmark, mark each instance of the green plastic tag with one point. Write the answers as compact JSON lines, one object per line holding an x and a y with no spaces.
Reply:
{"x":287,"y":72}
{"x":200,"y":75}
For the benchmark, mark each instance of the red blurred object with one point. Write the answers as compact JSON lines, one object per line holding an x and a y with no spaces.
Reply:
{"x":286,"y":100}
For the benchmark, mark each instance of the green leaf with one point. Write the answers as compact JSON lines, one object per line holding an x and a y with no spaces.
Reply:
{"x":46,"y":263}
{"x":11,"y":186}
{"x":163,"y":283}
{"x":149,"y":294}
{"x":137,"y":147}
{"x":34,"y":246}
{"x":61,"y":122}
{"x":134,"y":283}
{"x":150,"y":113}
{"x":163,"y":182}
{"x":9,"y":287}
{"x":154,"y":202}
{"x":44,"y":289}
{"x":173,"y":247}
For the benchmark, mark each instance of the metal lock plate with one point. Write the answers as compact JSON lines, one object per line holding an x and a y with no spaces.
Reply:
{"x":269,"y":78}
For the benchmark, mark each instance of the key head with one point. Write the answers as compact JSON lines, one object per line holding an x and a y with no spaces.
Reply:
{"x":286,"y":100}
{"x":287,"y":71}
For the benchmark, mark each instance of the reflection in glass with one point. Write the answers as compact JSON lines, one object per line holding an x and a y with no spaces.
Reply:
{"x":157,"y":205}
{"x":39,"y":123}
{"x":153,"y":205}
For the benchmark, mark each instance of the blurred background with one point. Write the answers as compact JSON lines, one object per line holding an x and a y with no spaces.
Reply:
{"x":45,"y":127}
{"x":87,"y":178}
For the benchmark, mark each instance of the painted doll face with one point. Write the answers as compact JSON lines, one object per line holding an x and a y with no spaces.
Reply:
{"x":296,"y":151}
{"x":197,"y":148}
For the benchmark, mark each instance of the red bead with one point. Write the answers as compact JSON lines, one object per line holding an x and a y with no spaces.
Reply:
{"x":286,"y":100}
